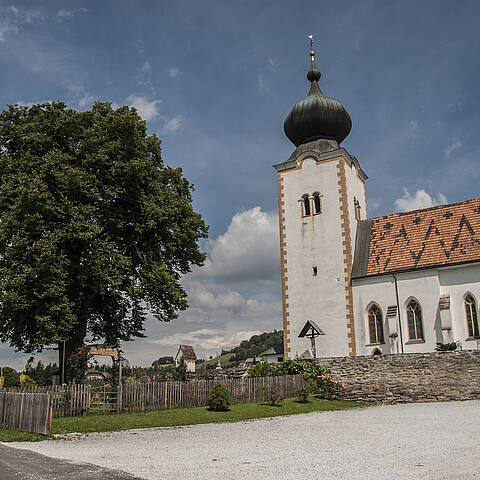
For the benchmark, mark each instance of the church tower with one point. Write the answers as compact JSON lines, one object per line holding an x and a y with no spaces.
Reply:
{"x":321,"y":197}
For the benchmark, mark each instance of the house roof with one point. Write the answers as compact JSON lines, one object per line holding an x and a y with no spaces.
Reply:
{"x":277,"y":349}
{"x":188,"y":352}
{"x":432,"y":237}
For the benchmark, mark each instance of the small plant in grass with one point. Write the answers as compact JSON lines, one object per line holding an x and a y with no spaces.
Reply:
{"x":304,"y":393}
{"x":219,"y":399}
{"x":272,"y":396}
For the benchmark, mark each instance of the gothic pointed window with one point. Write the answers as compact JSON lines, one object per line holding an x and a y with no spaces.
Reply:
{"x":375,"y":324}
{"x":414,"y":319}
{"x":472,"y":320}
{"x":317,"y":203}
{"x":306,"y":206}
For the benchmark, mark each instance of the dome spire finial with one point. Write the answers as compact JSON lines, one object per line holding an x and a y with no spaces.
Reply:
{"x":312,"y":53}
{"x":313,"y":74}
{"x":317,"y":116}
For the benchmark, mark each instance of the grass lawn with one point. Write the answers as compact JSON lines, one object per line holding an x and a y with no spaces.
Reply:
{"x":178,"y":417}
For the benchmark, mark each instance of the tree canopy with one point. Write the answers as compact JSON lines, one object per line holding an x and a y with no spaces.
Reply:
{"x":95,"y":231}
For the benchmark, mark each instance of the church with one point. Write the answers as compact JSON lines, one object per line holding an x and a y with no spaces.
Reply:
{"x":398,"y":283}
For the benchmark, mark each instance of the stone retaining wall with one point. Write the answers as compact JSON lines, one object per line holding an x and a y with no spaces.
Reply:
{"x":412,"y":377}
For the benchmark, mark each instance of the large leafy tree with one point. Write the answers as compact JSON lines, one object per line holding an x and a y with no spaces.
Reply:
{"x":95,"y":231}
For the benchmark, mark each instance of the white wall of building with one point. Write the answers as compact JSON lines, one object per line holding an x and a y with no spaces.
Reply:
{"x":426,"y":286}
{"x":458,"y":282}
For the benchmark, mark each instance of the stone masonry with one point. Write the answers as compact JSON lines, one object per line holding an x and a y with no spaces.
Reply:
{"x":412,"y":377}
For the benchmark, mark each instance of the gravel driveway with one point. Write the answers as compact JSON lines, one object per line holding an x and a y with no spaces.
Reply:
{"x":427,"y":441}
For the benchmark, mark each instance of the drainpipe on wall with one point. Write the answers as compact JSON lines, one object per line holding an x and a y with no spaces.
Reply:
{"x":398,"y":311}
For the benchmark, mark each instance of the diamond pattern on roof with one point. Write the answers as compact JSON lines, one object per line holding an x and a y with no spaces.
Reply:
{"x":437,"y":236}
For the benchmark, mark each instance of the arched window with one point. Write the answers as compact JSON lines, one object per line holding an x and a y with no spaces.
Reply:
{"x":414,"y":318}
{"x":317,"y":203}
{"x":356,"y":205}
{"x":375,"y":324}
{"x":472,"y":320}
{"x":306,"y":206}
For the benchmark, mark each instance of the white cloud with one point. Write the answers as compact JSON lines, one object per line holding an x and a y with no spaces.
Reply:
{"x":13,"y":18}
{"x":207,"y":341}
{"x":172,"y":125}
{"x":247,"y":251}
{"x":80,"y":96}
{"x":261,"y":83}
{"x":22,"y":103}
{"x":413,"y":128}
{"x":145,"y":73}
{"x":421,"y":199}
{"x":147,"y":109}
{"x":451,"y":148}
{"x":69,"y":14}
{"x":174,"y":72}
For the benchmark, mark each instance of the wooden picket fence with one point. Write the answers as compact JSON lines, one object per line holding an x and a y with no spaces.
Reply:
{"x":141,"y":397}
{"x":67,"y":400}
{"x":76,"y":400}
{"x":29,"y":412}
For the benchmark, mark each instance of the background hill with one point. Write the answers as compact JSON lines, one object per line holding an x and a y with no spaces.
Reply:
{"x":247,"y":349}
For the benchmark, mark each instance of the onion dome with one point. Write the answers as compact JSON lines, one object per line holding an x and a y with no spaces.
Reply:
{"x":317,"y":116}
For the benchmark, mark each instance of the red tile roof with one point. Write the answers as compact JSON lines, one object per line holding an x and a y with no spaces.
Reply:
{"x":188,"y":352}
{"x":432,"y":237}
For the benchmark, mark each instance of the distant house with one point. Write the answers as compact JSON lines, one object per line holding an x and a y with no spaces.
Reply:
{"x":188,"y":354}
{"x":273,"y":354}
{"x":93,"y":374}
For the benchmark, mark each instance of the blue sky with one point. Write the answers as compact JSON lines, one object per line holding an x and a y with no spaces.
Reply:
{"x":215,"y":80}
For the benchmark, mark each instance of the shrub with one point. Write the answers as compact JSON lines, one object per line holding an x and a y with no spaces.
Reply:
{"x":304,"y":393}
{"x":327,"y":387}
{"x":272,"y":396}
{"x":289,"y":367}
{"x":219,"y":399}
{"x":179,"y":372}
{"x":446,"y":347}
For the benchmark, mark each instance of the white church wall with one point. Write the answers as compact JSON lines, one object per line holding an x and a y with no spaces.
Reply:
{"x":309,"y":242}
{"x":420,"y":285}
{"x":457,"y":282}
{"x":379,"y":290}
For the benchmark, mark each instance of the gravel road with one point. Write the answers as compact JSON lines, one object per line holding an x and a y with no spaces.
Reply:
{"x":430,"y":441}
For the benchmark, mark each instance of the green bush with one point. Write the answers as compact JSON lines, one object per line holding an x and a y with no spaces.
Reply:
{"x":179,"y":373}
{"x":327,"y":387}
{"x":446,"y":347}
{"x":304,"y":393}
{"x":272,"y":396}
{"x":219,"y":399}
{"x":289,"y":367}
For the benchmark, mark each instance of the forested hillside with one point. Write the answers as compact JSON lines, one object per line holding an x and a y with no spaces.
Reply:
{"x":256,"y":345}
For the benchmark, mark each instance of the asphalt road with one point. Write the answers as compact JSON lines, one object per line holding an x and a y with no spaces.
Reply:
{"x":18,"y":464}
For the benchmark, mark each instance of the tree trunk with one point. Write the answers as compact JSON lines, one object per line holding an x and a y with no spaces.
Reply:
{"x":76,"y":340}
{"x":71,"y":345}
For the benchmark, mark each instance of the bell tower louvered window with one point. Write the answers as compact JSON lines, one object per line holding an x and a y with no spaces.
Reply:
{"x":317,"y":203}
{"x":306,"y":206}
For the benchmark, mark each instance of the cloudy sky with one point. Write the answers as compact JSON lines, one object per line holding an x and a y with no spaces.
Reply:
{"x":215,"y":80}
